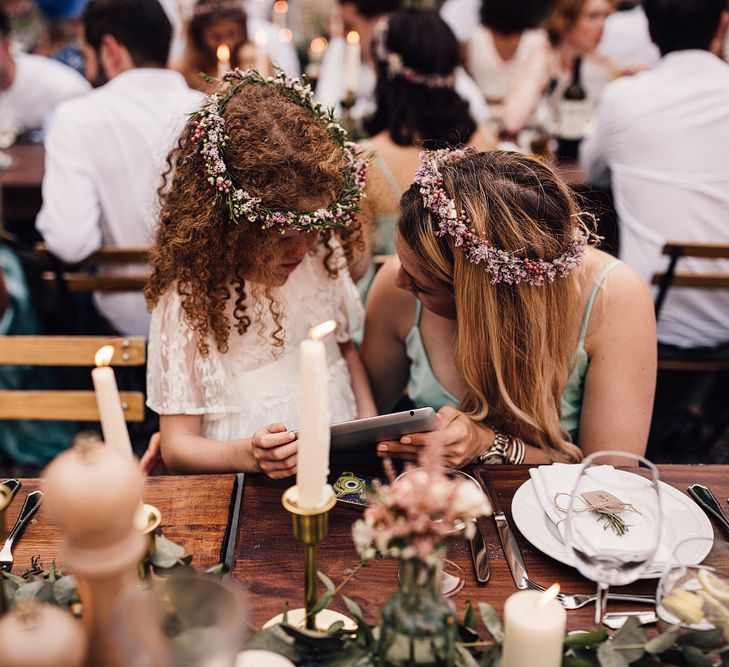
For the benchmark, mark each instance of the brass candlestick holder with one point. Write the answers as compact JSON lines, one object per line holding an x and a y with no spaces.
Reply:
{"x":311,"y":526}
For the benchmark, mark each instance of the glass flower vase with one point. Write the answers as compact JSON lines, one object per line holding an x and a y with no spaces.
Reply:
{"x":418,"y":623}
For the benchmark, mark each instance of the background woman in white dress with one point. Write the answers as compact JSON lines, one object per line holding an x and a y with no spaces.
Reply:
{"x":232,"y":300}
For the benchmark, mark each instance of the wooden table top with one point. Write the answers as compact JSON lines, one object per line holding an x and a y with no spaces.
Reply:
{"x":269,"y":562}
{"x":195,"y":512}
{"x":27,"y":169}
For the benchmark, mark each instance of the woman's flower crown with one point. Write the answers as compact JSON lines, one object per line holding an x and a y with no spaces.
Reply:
{"x":209,"y":132}
{"x":502,"y":266}
{"x":396,"y":67}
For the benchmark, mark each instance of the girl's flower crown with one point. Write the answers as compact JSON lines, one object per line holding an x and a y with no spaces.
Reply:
{"x":396,"y":67}
{"x":209,"y":132}
{"x":502,"y":266}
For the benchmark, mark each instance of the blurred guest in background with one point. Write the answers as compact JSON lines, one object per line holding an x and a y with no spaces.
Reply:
{"x":574,"y":28}
{"x":62,"y":39}
{"x":663,"y":139}
{"x":461,"y":17}
{"x":507,"y":40}
{"x":105,"y":151}
{"x":626,"y":38}
{"x":334,"y":85}
{"x":417,"y":107}
{"x":31,"y":86}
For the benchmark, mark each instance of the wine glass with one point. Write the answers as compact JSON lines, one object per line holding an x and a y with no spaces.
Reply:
{"x":453,"y":578}
{"x":692,"y":595}
{"x":613,"y":524}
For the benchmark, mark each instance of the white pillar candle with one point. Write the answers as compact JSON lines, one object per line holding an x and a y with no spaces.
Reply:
{"x":111,"y":414}
{"x":534,"y":629}
{"x":312,"y":461}
{"x":260,"y":39}
{"x":223,"y":56}
{"x":352,"y":63}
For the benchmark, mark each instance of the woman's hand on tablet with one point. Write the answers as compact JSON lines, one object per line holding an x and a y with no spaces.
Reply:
{"x":460,"y":438}
{"x":274,"y":449}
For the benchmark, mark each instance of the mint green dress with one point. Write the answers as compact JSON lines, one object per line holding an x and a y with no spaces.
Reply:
{"x":25,"y":442}
{"x":425,"y":390}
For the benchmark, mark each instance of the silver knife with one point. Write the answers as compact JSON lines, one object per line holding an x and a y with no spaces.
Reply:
{"x":480,"y":555}
{"x":514,"y":559}
{"x":708,"y":502}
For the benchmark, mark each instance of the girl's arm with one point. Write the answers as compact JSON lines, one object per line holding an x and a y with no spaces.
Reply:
{"x":271,"y":449}
{"x":360,"y":384}
{"x":620,"y":384}
{"x":390,"y":312}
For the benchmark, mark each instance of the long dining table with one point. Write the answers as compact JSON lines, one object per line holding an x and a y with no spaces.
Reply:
{"x":240,"y":520}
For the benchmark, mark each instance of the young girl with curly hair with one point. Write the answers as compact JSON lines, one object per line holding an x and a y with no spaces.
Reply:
{"x":256,"y":228}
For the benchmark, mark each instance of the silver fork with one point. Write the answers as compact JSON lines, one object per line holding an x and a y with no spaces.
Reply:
{"x":576,"y":601}
{"x":30,"y":507}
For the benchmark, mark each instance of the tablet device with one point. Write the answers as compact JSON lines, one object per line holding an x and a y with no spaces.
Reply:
{"x":363,"y":434}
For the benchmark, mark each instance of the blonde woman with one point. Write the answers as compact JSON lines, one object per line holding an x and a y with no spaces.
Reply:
{"x":533,"y":345}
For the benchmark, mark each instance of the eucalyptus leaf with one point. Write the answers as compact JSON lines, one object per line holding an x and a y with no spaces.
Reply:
{"x":327,"y":582}
{"x":703,"y":638}
{"x":166,"y":553}
{"x":607,"y":656}
{"x":492,"y":621}
{"x":584,"y":639}
{"x":9,"y":576}
{"x":52,"y":574}
{"x":285,"y":618}
{"x":65,"y":591}
{"x":466,"y":635}
{"x":40,"y":589}
{"x":630,"y":634}
{"x":469,"y":618}
{"x":695,"y":657}
{"x":9,"y":587}
{"x":322,"y":602}
{"x":335,"y":627}
{"x":364,"y":630}
{"x":662,"y":643}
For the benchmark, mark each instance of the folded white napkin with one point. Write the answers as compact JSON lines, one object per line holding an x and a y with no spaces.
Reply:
{"x":591,"y":534}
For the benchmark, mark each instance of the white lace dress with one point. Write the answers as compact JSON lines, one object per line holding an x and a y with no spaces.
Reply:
{"x":253,"y":384}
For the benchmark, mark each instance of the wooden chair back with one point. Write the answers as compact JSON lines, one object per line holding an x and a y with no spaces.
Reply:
{"x":79,"y":351}
{"x":671,"y":278}
{"x":76,"y":281}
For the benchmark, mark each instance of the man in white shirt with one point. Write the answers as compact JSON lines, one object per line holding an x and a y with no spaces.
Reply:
{"x":662,"y":136}
{"x":31,"y":86}
{"x":105,"y":152}
{"x":362,"y":16}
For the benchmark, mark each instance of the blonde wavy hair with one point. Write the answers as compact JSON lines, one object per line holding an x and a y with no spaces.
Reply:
{"x":279,"y":152}
{"x":515,"y":343}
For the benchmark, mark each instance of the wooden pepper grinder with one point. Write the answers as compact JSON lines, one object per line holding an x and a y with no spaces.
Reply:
{"x":92,"y":495}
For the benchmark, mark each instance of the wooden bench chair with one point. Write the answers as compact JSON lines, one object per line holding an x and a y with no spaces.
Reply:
{"x":672,"y":279}
{"x":78,"y":351}
{"x":77,"y":281}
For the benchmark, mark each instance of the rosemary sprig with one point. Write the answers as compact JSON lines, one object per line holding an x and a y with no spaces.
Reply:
{"x":613,"y":521}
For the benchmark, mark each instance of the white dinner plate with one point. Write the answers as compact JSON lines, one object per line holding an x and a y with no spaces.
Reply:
{"x":682,"y":519}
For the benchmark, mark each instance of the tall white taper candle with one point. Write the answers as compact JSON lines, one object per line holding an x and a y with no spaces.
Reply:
{"x":312,"y":461}
{"x":352,"y":63}
{"x":111,"y":414}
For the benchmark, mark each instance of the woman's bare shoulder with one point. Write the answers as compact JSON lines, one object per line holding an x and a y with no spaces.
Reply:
{"x":387,"y":303}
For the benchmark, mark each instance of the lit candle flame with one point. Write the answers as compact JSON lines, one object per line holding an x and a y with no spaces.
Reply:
{"x":352,"y":37}
{"x":261,"y":37}
{"x":104,"y":355}
{"x":318,"y":45}
{"x":280,"y":7}
{"x":321,"y":330}
{"x":223,"y":53}
{"x":548,"y":595}
{"x":285,"y":35}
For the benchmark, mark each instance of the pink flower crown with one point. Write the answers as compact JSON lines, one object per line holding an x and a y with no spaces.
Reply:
{"x":502,"y":266}
{"x":396,"y":67}
{"x":210,"y":139}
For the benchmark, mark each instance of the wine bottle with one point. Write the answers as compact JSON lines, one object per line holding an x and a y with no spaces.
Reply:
{"x":573,"y":115}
